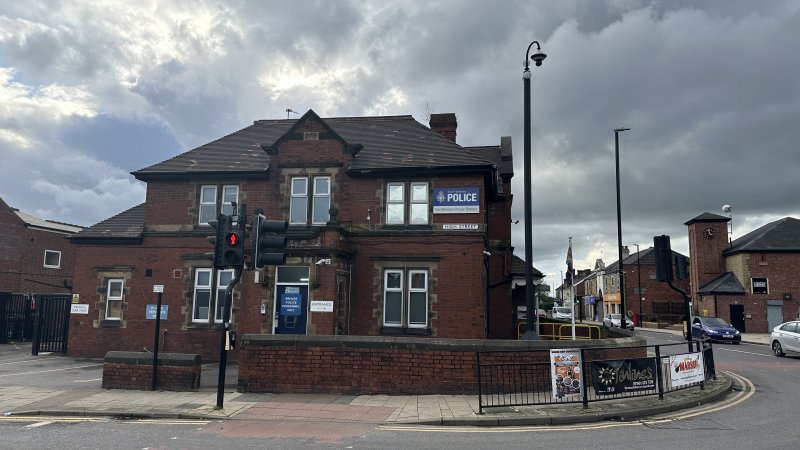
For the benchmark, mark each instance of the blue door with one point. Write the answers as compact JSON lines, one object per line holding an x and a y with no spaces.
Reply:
{"x":291,"y":309}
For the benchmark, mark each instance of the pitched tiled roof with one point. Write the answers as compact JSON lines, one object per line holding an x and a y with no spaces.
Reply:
{"x":46,"y":224}
{"x":518,"y":267}
{"x":708,"y":217}
{"x":780,"y":236}
{"x":725,"y":284}
{"x":387,"y":143}
{"x":648,"y":256}
{"x":127,"y":225}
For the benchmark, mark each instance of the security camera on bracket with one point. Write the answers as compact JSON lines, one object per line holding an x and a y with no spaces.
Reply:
{"x":324,"y":262}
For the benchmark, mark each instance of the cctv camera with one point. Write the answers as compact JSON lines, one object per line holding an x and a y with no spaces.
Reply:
{"x":320,"y":262}
{"x":726,"y":208}
{"x":485,"y":253}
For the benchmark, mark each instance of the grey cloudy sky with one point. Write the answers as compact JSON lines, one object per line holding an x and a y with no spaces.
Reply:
{"x":90,"y":91}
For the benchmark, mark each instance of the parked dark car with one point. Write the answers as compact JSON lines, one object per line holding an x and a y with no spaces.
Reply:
{"x":715,"y":329}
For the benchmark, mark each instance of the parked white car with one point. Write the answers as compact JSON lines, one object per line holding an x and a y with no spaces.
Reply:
{"x":785,"y":338}
{"x":615,"y":320}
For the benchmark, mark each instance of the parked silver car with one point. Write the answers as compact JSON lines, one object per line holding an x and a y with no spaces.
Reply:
{"x":615,"y":320}
{"x":786,"y":338}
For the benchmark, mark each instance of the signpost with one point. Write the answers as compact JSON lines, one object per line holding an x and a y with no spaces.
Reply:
{"x":159,"y":289}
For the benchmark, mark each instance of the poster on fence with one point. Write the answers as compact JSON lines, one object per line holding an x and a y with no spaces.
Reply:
{"x":565,"y":373}
{"x":686,"y":369}
{"x":623,"y":376}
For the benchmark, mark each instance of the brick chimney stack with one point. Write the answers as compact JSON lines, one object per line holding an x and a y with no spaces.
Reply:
{"x":444,"y":124}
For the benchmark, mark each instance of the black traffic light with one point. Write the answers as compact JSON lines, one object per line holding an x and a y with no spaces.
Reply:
{"x":233,"y":244}
{"x":681,"y":267}
{"x":263,"y":242}
{"x":221,"y":227}
{"x":663,"y":254}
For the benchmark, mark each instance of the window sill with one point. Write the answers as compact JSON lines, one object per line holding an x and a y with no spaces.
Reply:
{"x":204,"y":326}
{"x":110,"y":323}
{"x":403,"y":331}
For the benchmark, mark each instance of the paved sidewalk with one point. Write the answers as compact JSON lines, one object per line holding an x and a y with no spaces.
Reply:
{"x":93,"y":400}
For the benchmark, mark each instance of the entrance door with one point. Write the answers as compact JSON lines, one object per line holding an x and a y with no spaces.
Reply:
{"x":774,"y":314}
{"x":737,"y":317}
{"x":291,"y":300}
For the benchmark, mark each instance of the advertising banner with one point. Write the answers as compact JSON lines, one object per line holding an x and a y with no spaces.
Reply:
{"x":565,"y":373}
{"x":686,"y":369}
{"x":620,"y":377}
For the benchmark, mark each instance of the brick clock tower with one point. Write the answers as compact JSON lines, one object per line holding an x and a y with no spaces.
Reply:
{"x":708,"y":238}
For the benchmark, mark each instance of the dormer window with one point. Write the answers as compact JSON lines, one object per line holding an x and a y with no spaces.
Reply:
{"x":320,"y":200}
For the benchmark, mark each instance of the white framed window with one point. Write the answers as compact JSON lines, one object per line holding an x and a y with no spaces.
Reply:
{"x":395,"y":203}
{"x":224,"y":278}
{"x":405,"y":305}
{"x":202,"y":299}
{"x":298,"y":208}
{"x":417,"y":203}
{"x":208,"y":202}
{"x":322,"y":200}
{"x":417,"y":298}
{"x":320,"y":193}
{"x":52,"y":259}
{"x":393,"y":298}
{"x":114,"y":294}
{"x":229,"y":194}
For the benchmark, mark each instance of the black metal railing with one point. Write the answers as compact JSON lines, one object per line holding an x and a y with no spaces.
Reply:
{"x":16,"y":318}
{"x":535,"y":377}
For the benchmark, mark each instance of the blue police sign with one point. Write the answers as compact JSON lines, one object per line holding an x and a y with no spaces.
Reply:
{"x":456,"y":200}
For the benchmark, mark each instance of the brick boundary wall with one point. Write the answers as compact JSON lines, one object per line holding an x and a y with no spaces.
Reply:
{"x":134,"y":370}
{"x":392,"y":365}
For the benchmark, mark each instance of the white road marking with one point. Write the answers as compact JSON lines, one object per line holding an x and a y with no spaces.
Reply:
{"x":49,"y":370}
{"x":37,"y":425}
{"x":86,"y":381}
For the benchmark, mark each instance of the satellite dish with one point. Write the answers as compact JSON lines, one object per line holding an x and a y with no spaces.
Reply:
{"x":726,"y":208}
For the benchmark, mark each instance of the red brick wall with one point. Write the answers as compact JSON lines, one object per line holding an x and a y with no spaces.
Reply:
{"x":12,"y":235}
{"x":136,"y":372}
{"x":385,"y":365}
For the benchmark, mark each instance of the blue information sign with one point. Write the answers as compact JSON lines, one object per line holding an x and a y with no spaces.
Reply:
{"x":151,"y":312}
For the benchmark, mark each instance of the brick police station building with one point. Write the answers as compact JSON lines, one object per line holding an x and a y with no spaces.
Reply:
{"x":394,"y":230}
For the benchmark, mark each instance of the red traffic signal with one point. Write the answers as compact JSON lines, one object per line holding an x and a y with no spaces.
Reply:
{"x":232,"y":239}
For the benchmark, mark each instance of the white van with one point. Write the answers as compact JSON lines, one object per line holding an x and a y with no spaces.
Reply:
{"x":562,"y":312}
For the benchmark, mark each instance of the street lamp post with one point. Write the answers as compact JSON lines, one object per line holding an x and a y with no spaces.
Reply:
{"x":619,"y":231}
{"x":537,"y":58}
{"x":639,"y":280}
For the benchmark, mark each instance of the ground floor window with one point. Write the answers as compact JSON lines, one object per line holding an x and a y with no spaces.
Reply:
{"x":114,"y":299}
{"x":203,"y":301}
{"x":405,"y":294}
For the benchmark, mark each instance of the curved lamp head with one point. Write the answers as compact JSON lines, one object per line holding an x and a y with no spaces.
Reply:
{"x":538,"y":57}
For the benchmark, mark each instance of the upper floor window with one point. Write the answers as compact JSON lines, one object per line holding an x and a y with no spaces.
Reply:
{"x":52,"y":259}
{"x":203,"y":301}
{"x":114,"y":293}
{"x":416,"y":208}
{"x":405,"y":304}
{"x":320,"y":200}
{"x":209,"y":201}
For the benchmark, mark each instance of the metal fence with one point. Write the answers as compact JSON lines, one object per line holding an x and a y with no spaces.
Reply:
{"x":16,"y":318}
{"x":522,"y":378}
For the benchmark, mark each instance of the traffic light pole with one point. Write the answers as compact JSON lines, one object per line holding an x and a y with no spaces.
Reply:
{"x":223,"y":351}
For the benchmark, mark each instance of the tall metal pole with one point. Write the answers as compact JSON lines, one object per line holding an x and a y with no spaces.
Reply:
{"x":619,"y":232}
{"x":529,"y":290}
{"x":639,"y":281}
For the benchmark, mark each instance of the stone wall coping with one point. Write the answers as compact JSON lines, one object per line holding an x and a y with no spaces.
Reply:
{"x":435,"y":344}
{"x":146,"y":359}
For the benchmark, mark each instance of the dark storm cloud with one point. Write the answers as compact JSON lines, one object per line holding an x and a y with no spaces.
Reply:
{"x":708,"y":89}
